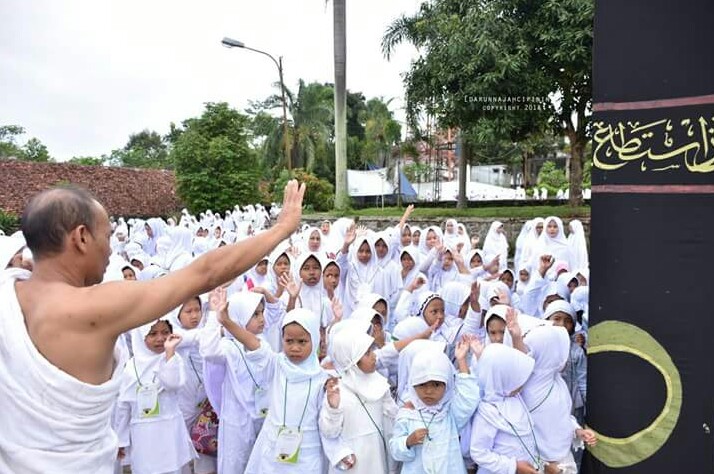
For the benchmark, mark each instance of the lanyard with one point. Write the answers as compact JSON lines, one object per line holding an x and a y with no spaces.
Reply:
{"x":427,"y":425}
{"x":246,"y":363}
{"x":550,"y":390}
{"x":536,"y":461}
{"x":384,"y":442}
{"x":136,"y":372}
{"x":194,"y":370}
{"x":285,"y":403}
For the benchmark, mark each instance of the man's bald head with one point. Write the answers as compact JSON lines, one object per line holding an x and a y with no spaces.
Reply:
{"x":52,"y":214}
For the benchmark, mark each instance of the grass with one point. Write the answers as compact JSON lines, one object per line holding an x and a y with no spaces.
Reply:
{"x":513,"y":212}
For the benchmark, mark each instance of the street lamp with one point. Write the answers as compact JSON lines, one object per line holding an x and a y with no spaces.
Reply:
{"x":232,"y":43}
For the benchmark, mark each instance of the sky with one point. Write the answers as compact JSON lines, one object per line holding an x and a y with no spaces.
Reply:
{"x":82,"y":75}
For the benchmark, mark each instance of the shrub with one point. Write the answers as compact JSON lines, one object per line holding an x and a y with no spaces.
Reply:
{"x":319,"y":195}
{"x":9,"y":223}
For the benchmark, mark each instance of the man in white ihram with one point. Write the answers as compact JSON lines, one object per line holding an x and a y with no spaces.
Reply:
{"x":58,"y":329}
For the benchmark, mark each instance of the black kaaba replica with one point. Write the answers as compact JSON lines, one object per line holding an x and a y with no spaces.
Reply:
{"x":651,"y":354}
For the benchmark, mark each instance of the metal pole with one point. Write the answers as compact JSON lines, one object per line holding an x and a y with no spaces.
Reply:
{"x":286,"y":138}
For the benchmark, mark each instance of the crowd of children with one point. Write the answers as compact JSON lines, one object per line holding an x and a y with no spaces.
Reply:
{"x":348,"y":349}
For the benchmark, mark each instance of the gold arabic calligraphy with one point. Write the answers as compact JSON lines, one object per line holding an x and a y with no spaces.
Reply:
{"x":617,"y":144}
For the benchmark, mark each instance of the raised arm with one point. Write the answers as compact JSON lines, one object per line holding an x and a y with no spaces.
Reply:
{"x":120,"y":306}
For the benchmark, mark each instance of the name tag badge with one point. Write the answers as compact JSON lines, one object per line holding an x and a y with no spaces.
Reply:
{"x":147,"y":400}
{"x":261,"y":402}
{"x":287,"y":446}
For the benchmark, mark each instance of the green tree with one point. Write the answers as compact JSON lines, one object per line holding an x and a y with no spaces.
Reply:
{"x":8,"y":137}
{"x":552,"y":178}
{"x":145,"y":149}
{"x":382,"y":132}
{"x":87,"y":160}
{"x":504,"y":49}
{"x":215,"y":166}
{"x":35,"y":150}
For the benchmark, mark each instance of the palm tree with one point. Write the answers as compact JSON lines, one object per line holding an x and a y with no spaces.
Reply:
{"x":340,"y":53}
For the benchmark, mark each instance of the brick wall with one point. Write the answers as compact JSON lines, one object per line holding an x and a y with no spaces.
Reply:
{"x":122,"y":191}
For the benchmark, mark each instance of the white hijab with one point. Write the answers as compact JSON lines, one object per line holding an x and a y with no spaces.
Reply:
{"x":310,"y":367}
{"x":311,"y":297}
{"x":406,"y":356}
{"x":347,"y":348}
{"x":578,"y":245}
{"x":496,"y":244}
{"x":556,"y":246}
{"x":546,"y":394}
{"x":501,"y":371}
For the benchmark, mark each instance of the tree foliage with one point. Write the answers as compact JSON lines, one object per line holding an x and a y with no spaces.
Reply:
{"x":508,"y":50}
{"x":319,"y":193}
{"x":145,"y":149}
{"x":215,"y":166}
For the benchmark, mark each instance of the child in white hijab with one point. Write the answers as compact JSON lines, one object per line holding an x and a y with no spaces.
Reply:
{"x":360,"y":409}
{"x":503,"y":439}
{"x":243,"y":401}
{"x":496,"y":244}
{"x":438,"y":405}
{"x":149,"y":420}
{"x":289,"y":440}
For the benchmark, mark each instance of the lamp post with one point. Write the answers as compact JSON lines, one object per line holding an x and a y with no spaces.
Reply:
{"x":232,"y":43}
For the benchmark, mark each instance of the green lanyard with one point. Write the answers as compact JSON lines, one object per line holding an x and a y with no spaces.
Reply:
{"x":136,"y":372}
{"x":546,"y":396}
{"x":427,"y":425}
{"x":285,"y":403}
{"x":537,"y":460}
{"x":246,"y":363}
{"x":384,"y":442}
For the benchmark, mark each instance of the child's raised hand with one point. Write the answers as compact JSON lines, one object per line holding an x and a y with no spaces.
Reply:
{"x":288,"y":282}
{"x":512,"y":324}
{"x":476,"y":347}
{"x":417,"y":437}
{"x":171,"y":342}
{"x":350,"y":235}
{"x":546,"y":261}
{"x":332,"y":390}
{"x":362,"y":231}
{"x":218,"y":299}
{"x":503,"y":297}
{"x":462,"y":349}
{"x":416,"y":283}
{"x":587,"y":435}
{"x":337,"y":310}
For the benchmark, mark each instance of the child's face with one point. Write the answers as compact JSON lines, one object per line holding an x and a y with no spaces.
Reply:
{"x":476,"y":261}
{"x":415,"y":237}
{"x":297,"y":344}
{"x":157,"y":337}
{"x":137,"y":264}
{"x":281,"y":265}
{"x":449,"y":227}
{"x":314,"y":241}
{"x":368,"y":362}
{"x":434,"y":312}
{"x":217,"y":232}
{"x":430,"y":239}
{"x":310,"y":271}
{"x":430,"y":392}
{"x":381,"y":248}
{"x":447,"y":261}
{"x":325,"y":227}
{"x":331,"y":277}
{"x":539,"y":228}
{"x":190,"y":314}
{"x":381,"y":307}
{"x":572,"y":284}
{"x":406,"y":237}
{"x":523,"y":276}
{"x":564,"y":320}
{"x":496,"y":329}
{"x":407,"y":262}
{"x":507,"y":278}
{"x":262,"y":268}
{"x":551,"y":229}
{"x":128,"y":274}
{"x":364,"y":253}
{"x":256,"y":323}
